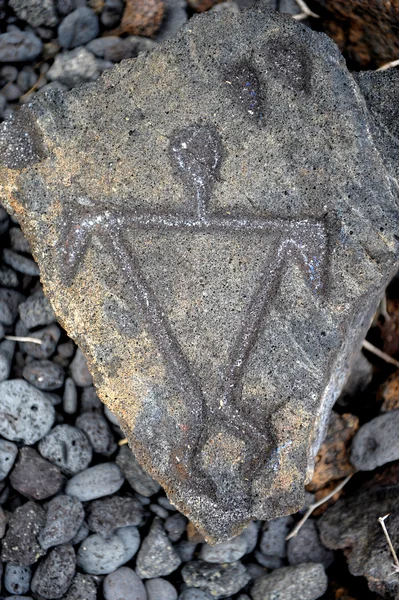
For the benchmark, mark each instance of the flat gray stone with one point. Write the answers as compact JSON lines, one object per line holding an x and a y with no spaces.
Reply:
{"x":307,"y":582}
{"x":208,"y":233}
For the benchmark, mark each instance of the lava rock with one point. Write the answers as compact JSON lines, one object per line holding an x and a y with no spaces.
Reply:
{"x":35,"y":477}
{"x":124,"y":584}
{"x":307,"y":582}
{"x":7,"y":348}
{"x":82,"y":588}
{"x":49,"y":337}
{"x":74,"y":68}
{"x":174,"y":18}
{"x":160,"y":589}
{"x":27,"y":414}
{"x":35,"y":12}
{"x":138,"y":478}
{"x":9,"y":303}
{"x":306,"y":547}
{"x":44,"y":374}
{"x":142,"y":17}
{"x":36,"y":311}
{"x":178,"y":350}
{"x":17,"y":579}
{"x":156,"y":557}
{"x":96,"y":482}
{"x":78,"y":28}
{"x":108,"y":514}
{"x":98,"y":431}
{"x":8,"y":454}
{"x":19,"y":46}
{"x":20,"y":545}
{"x":376,"y":442}
{"x":112,"y":12}
{"x":63,"y":520}
{"x":68,"y":448}
{"x":54,"y":574}
{"x":82,"y":534}
{"x":219,"y":580}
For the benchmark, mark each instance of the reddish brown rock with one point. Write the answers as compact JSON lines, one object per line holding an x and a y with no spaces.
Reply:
{"x":201,"y":5}
{"x":389,"y":393}
{"x":141,"y":17}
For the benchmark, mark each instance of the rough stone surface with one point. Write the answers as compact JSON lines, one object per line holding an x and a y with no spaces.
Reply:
{"x":219,"y":580}
{"x":125,"y":584}
{"x":17,"y":579}
{"x":20,"y":545}
{"x":307,"y":582}
{"x":82,"y":588}
{"x":8,"y":454}
{"x":138,"y":477}
{"x":156,"y":557}
{"x":35,"y":477}
{"x":35,"y":12}
{"x":19,"y":46}
{"x":54,"y":574}
{"x":98,"y":431}
{"x":63,"y":520}
{"x":306,"y":547}
{"x":108,"y":514}
{"x":376,"y":442}
{"x":221,"y":299}
{"x":68,"y":448}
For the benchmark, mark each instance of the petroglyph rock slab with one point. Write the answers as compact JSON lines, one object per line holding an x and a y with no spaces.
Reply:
{"x":214,"y":225}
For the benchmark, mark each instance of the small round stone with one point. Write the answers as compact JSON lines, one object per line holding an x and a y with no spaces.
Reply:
{"x":36,"y":311}
{"x":79,"y":370}
{"x":226,"y":552}
{"x":54,"y":574}
{"x":21,"y":264}
{"x":78,"y":28}
{"x":220,"y":581}
{"x":68,"y":448}
{"x":35,"y":477}
{"x":49,"y":337}
{"x":96,"y":482}
{"x":82,"y":534}
{"x":96,"y":428}
{"x":70,"y":397}
{"x":160,"y":589}
{"x":307,"y":582}
{"x":273,"y":541}
{"x":82,"y":588}
{"x":17,"y":579}
{"x":157,"y":557}
{"x":175,"y":526}
{"x":44,"y":374}
{"x":20,"y":545}
{"x":306,"y":547}
{"x":8,"y":454}
{"x":131,"y":540}
{"x":27,"y":414}
{"x":108,"y":514}
{"x":137,"y":477}
{"x":98,"y":556}
{"x":64,"y":519}
{"x":159,"y":511}
{"x":19,"y":46}
{"x":10,"y":301}
{"x":376,"y":442}
{"x":124,"y":584}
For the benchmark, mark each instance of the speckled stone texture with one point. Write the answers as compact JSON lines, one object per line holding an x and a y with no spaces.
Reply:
{"x":215,"y":225}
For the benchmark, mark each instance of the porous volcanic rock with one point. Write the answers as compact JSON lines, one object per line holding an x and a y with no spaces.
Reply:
{"x":215,"y":223}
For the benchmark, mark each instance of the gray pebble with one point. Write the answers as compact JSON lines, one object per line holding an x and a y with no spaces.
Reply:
{"x":100,"y":45}
{"x":54,"y":574}
{"x":82,"y":534}
{"x":108,"y":514}
{"x":98,"y":431}
{"x":273,"y":538}
{"x":131,"y":540}
{"x":67,"y":447}
{"x":255,"y":571}
{"x":27,"y":414}
{"x":66,"y":349}
{"x":8,"y":454}
{"x":8,"y":277}
{"x":35,"y":12}
{"x":160,"y":589}
{"x":11,"y":92}
{"x":74,"y":68}
{"x":19,"y":46}
{"x":164,"y":502}
{"x":112,"y":12}
{"x":219,"y":580}
{"x":78,"y":28}
{"x":21,"y":264}
{"x":129,"y":47}
{"x":137,"y":477}
{"x":307,"y":582}
{"x":376,"y":442}
{"x":162,"y":513}
{"x":18,"y":241}
{"x":82,"y":588}
{"x":156,"y":557}
{"x":3,"y":526}
{"x":17,"y":598}
{"x":251,"y":534}
{"x":20,"y":545}
{"x":270,"y":562}
{"x":174,"y":19}
{"x":79,"y":370}
{"x":10,"y":301}
{"x":70,"y":397}
{"x":99,"y":556}
{"x":96,"y":482}
{"x":110,"y":416}
{"x":44,"y":374}
{"x":36,"y":311}
{"x":9,"y":73}
{"x":64,"y":7}
{"x":186,"y":550}
{"x":175,"y":526}
{"x":35,"y":477}
{"x":26,"y":79}
{"x":124,"y":584}
{"x":48,"y":335}
{"x":226,"y":552}
{"x":195,"y":594}
{"x":63,"y":520}
{"x":17,"y":579}
{"x":306,"y":547}
{"x":89,"y":401}
{"x":7,"y":348}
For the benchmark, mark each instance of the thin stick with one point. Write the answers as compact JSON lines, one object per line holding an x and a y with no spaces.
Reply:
{"x":392,"y":549}
{"x":389,"y":65}
{"x":313,"y":507}
{"x":17,"y":338}
{"x":123,"y":442}
{"x":305,"y":11}
{"x":384,"y":309}
{"x":380,"y":354}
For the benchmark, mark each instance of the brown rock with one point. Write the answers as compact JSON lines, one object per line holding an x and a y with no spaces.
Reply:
{"x":193,"y":534}
{"x":366,"y":31}
{"x":332,"y":460}
{"x":389,"y":393}
{"x":141,"y":17}
{"x":201,"y":5}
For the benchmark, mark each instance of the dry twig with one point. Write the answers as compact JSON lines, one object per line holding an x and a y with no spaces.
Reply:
{"x":389,"y":65}
{"x":305,"y":12}
{"x":122,"y":442}
{"x":392,"y":549}
{"x":17,"y":338}
{"x":380,"y":354}
{"x":313,"y":507}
